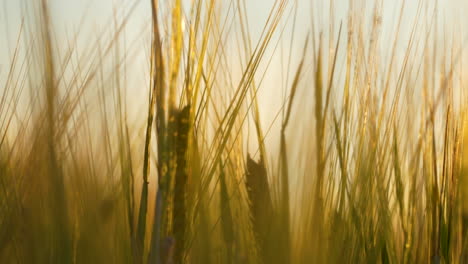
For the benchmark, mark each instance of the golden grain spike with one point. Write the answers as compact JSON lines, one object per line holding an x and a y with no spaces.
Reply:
{"x":261,"y":207}
{"x":180,"y":192}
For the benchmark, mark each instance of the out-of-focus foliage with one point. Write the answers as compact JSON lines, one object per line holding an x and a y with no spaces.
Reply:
{"x":372,"y":164}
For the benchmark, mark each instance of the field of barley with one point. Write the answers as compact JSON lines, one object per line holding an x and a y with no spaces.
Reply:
{"x":233,"y":131}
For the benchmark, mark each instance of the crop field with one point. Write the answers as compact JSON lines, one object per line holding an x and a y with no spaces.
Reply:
{"x":233,"y":131}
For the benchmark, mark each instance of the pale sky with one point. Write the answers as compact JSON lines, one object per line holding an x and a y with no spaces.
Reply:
{"x":67,"y":14}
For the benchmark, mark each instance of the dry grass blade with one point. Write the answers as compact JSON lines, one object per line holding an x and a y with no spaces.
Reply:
{"x":156,"y":103}
{"x":63,"y":237}
{"x":226,"y":216}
